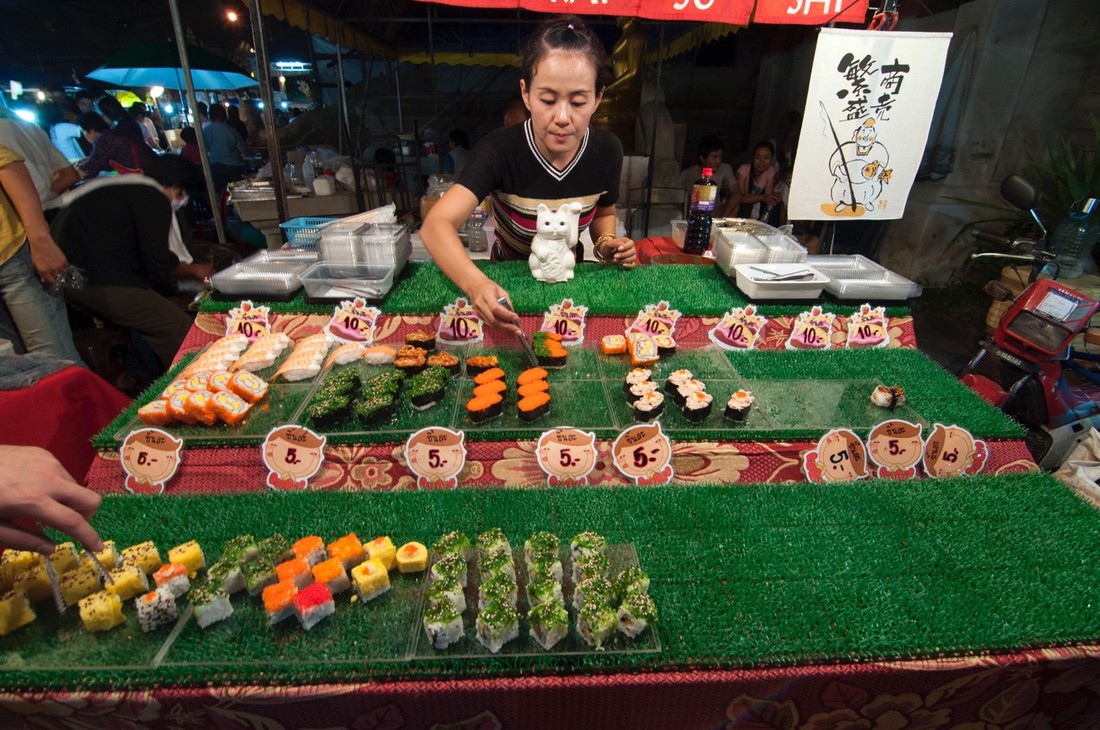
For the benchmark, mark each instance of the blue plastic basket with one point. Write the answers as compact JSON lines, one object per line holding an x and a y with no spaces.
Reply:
{"x":304,"y":232}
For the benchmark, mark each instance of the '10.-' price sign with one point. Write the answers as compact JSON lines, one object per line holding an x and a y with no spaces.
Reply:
{"x":566,"y":320}
{"x":459,"y":324}
{"x":353,"y":321}
{"x":656,"y":319}
{"x":248,"y":320}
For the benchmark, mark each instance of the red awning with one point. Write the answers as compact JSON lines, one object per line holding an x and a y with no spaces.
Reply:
{"x":734,"y":12}
{"x":810,"y":12}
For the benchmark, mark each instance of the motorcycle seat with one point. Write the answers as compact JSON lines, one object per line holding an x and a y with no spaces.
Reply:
{"x":1092,"y":336}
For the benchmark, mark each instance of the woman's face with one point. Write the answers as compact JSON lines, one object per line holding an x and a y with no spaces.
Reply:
{"x":562,"y":98}
{"x":762,"y":159}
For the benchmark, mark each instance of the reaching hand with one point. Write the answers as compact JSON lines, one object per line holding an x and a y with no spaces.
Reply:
{"x":486,"y":300}
{"x":34,"y":487}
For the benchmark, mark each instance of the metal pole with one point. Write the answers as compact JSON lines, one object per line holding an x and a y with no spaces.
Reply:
{"x":653,"y":136}
{"x":345,"y":124}
{"x":397,"y":82}
{"x":263,"y":73}
{"x":181,"y":45}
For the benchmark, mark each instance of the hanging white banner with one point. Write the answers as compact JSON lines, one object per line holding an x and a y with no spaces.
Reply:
{"x":868,"y":110}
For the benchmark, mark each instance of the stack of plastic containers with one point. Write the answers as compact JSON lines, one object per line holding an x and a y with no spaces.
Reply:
{"x":358,"y":261}
{"x":271,"y":274}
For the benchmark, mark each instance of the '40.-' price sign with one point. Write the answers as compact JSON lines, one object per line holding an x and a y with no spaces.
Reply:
{"x":248,"y":320}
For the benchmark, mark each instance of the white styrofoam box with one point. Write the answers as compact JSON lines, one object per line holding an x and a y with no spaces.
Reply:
{"x":732,"y":247}
{"x":757,"y":281}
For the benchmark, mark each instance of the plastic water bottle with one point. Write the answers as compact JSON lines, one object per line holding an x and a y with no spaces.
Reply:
{"x":704,"y":197}
{"x":309,"y":170}
{"x":1074,"y":238}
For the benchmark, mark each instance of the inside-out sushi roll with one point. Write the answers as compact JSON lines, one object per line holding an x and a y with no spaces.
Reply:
{"x":155,"y":609}
{"x":450,"y":566}
{"x":248,"y":386}
{"x":230,"y":408}
{"x":15,"y":611}
{"x":533,"y":407}
{"x":596,"y":622}
{"x":453,"y":543}
{"x":79,"y":583}
{"x":155,"y":413}
{"x":698,"y":406}
{"x":497,"y":625}
{"x":101,"y":611}
{"x":590,"y":590}
{"x":449,"y":590}
{"x":549,"y":623}
{"x":480,"y":363}
{"x":497,"y":562}
{"x":585,"y":567}
{"x":738,"y":405}
{"x":128,"y":581}
{"x":543,"y":589}
{"x":630,"y":580}
{"x":587,"y":543}
{"x":493,"y":541}
{"x":442,"y":624}
{"x":279,"y":601}
{"x":211,"y":604}
{"x":545,"y":566}
{"x":144,"y":555}
{"x":371,"y":579}
{"x":499,"y":588}
{"x":613,"y":344}
{"x":312,"y":604}
{"x":636,"y":612}
{"x":173,"y":578}
{"x":484,"y":407}
{"x":541,"y":545}
{"x":649,"y":406}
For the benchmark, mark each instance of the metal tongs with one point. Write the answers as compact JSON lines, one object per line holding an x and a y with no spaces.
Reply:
{"x":522,"y":336}
{"x":55,"y":583}
{"x":789,"y":276}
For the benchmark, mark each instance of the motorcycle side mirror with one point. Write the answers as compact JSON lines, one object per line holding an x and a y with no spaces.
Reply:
{"x":1021,"y":192}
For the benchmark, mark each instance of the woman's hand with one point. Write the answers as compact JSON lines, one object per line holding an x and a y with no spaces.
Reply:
{"x":35,"y":488}
{"x":619,"y":251}
{"x":485,"y":298}
{"x":48,"y":259}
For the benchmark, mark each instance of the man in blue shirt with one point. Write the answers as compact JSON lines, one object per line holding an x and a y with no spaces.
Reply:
{"x":226,"y":149}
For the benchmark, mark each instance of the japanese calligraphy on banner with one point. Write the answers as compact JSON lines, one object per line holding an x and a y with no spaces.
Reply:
{"x":735,"y":12}
{"x":868,"y":110}
{"x":810,"y":12}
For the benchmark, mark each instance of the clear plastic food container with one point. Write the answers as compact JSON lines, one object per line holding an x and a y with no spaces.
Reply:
{"x":271,"y":273}
{"x":857,"y":277}
{"x":375,"y":245}
{"x":782,"y":249}
{"x":735,"y":246}
{"x":325,"y":280}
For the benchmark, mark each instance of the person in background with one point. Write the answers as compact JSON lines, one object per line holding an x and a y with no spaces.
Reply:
{"x":709,"y":154}
{"x":51,"y":172}
{"x":458,"y":150}
{"x":190,"y":149}
{"x":233,"y":119}
{"x":35,"y":320}
{"x":85,"y":102}
{"x":552,"y":158}
{"x":203,"y":114}
{"x":756,"y":184}
{"x":515,"y":112}
{"x":140,"y":114}
{"x":118,"y":231}
{"x":227,"y":151}
{"x":121,"y":148}
{"x":36,"y":490}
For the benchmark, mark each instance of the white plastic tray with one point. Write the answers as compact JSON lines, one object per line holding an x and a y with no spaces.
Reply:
{"x":857,"y":277}
{"x":273,"y":273}
{"x":757,"y":281}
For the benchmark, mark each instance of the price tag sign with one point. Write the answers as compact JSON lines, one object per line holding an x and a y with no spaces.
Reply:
{"x":436,"y":455}
{"x":150,"y":458}
{"x":867,"y":327}
{"x":460,"y":324}
{"x":643,"y":453}
{"x":656,"y":319}
{"x":812,"y":330}
{"x":896,"y":447}
{"x":952,"y":451}
{"x":293,"y":455}
{"x":567,"y":455}
{"x":353,"y":321}
{"x":566,"y":319}
{"x":738,"y":329}
{"x":248,"y":320}
{"x":839,"y":456}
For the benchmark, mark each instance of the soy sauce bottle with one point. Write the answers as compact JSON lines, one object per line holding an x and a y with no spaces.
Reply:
{"x":704,"y":197}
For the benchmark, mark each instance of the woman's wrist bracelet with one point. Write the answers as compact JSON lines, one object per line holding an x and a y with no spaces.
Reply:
{"x":598,"y":251}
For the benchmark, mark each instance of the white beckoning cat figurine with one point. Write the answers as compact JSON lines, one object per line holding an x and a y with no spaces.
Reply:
{"x":552,"y":258}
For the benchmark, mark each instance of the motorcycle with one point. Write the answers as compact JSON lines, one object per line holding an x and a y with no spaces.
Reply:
{"x":1032,"y":345}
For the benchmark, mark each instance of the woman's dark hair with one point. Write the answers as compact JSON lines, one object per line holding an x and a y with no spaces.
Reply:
{"x":138,"y":110}
{"x":171,"y":170}
{"x":708,"y":144}
{"x":91,"y":121}
{"x":764,"y":144}
{"x":460,"y":138}
{"x":218,"y":113}
{"x":188,"y":135}
{"x":566,"y":33}
{"x":110,"y":107}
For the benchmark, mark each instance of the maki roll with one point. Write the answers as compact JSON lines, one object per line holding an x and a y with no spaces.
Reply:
{"x":613,"y":344}
{"x":649,"y":406}
{"x":493,"y":541}
{"x":497,"y":563}
{"x":447,"y":590}
{"x":442,"y":624}
{"x":640,"y":389}
{"x":541,"y":545}
{"x":447,"y":361}
{"x":101,"y":611}
{"x":173,"y":578}
{"x":590,"y":566}
{"x":279,"y":601}
{"x":371,"y":579}
{"x":593,"y":590}
{"x":545,"y":566}
{"x":333,"y":575}
{"x":532,"y":388}
{"x":497,"y":625}
{"x":697,"y":406}
{"x":453,"y":543}
{"x":310,"y":549}
{"x":155,"y":609}
{"x":248,"y":386}
{"x":543,"y":589}
{"x":450,"y":567}
{"x":500,"y":588}
{"x":312,"y":604}
{"x":684,"y":391}
{"x":636,"y":613}
{"x":665,"y":345}
{"x":210,"y":604}
{"x":155,"y":413}
{"x":230,"y":408}
{"x":631,"y":580}
{"x":677,"y":378}
{"x":549,"y":623}
{"x":596,"y":622}
{"x":737,"y":407}
{"x":421,"y":338}
{"x":348,"y":550}
{"x":587,"y":543}
{"x":412,"y":557}
{"x":532,"y":375}
{"x":533,"y":407}
{"x":637,"y":375}
{"x":296,"y":571}
{"x":325,"y":414}
{"x":479,"y":364}
{"x":484,"y":407}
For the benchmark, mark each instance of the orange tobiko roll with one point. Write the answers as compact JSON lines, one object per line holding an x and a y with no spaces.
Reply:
{"x":488,"y":376}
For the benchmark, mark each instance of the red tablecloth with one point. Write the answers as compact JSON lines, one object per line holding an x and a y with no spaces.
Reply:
{"x":645,"y":249}
{"x":61,"y":413}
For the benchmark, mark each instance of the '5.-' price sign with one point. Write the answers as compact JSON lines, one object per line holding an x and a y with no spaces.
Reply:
{"x":644,"y":453}
{"x":567,"y":455}
{"x":248,"y":320}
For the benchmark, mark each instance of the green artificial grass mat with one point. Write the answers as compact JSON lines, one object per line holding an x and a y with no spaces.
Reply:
{"x":609,"y":290}
{"x":743,"y":576}
{"x":800,"y":395}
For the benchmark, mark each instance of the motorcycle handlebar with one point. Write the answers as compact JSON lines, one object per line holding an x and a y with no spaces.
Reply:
{"x":993,"y":238}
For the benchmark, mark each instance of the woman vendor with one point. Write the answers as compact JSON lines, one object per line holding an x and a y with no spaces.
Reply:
{"x":552,"y":158}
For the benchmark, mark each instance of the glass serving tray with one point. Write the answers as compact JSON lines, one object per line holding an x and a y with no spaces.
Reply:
{"x":619,"y":557}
